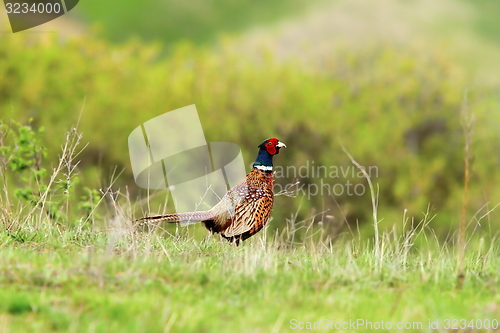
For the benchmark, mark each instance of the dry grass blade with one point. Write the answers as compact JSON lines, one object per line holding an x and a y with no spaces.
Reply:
{"x":374,"y":199}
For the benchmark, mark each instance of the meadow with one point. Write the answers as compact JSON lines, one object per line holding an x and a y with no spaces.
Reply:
{"x":406,"y":89}
{"x":120,"y":281}
{"x":103,"y":272}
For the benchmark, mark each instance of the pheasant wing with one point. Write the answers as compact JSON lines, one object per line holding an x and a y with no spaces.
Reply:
{"x":250,"y":217}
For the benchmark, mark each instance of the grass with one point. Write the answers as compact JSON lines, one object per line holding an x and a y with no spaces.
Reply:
{"x":105,"y":274}
{"x":143,"y":282}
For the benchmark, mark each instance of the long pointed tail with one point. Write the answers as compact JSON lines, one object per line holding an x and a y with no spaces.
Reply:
{"x":182,"y":218}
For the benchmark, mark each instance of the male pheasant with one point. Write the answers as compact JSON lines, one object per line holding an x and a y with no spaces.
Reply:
{"x":245,"y":208}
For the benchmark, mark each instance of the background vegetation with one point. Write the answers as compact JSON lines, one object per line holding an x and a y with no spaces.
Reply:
{"x":174,"y":21}
{"x":392,"y":109}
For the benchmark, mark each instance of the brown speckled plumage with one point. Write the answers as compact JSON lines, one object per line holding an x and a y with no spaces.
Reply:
{"x":243,"y":210}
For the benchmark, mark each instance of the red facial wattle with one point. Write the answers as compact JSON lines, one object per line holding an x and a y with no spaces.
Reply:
{"x":271,"y":149}
{"x":271,"y":146}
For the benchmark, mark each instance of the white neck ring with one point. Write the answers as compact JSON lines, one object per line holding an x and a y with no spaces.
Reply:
{"x":264,"y":167}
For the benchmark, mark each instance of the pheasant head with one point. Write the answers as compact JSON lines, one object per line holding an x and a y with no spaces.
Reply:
{"x":267,"y":150}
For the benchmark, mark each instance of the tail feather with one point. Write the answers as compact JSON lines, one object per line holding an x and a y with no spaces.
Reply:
{"x":182,"y":218}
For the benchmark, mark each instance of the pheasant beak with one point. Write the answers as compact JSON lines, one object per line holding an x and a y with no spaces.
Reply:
{"x":281,"y":145}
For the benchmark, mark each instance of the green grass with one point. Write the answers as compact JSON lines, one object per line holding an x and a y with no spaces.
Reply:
{"x":107,"y":274}
{"x":69,"y":271}
{"x":149,"y":283}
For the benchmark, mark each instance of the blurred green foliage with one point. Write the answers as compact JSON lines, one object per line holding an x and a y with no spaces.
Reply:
{"x":199,"y":21}
{"x":486,"y":19}
{"x":396,"y":110}
{"x":22,"y":152}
